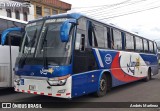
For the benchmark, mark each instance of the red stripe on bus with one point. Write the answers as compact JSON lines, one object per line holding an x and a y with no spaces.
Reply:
{"x":49,"y":94}
{"x":35,"y":92}
{"x":22,"y":90}
{"x":29,"y":91}
{"x":42,"y":93}
{"x":118,"y":73}
{"x":58,"y":94}
{"x":68,"y":93}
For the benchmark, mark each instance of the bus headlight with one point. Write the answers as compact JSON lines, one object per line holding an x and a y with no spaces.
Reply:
{"x":58,"y":81}
{"x":17,"y":80}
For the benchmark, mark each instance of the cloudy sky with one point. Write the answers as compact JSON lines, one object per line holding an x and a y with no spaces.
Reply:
{"x":145,"y":23}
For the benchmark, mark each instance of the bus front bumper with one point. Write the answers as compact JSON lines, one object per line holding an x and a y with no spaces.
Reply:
{"x":42,"y":87}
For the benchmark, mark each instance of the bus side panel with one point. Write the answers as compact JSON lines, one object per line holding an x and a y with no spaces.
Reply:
{"x":15,"y":51}
{"x":152,"y":61}
{"x":85,"y":83}
{"x":124,"y":66}
{"x":104,"y":59}
{"x":4,"y":66}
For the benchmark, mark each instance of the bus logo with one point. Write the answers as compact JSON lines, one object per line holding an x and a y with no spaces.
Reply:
{"x":45,"y":71}
{"x":108,"y":59}
{"x":133,"y":64}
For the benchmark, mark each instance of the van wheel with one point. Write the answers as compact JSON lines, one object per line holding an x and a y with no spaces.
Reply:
{"x":148,"y":76}
{"x":103,"y":86}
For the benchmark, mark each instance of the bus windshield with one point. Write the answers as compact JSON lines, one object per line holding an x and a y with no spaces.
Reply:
{"x":31,"y":37}
{"x":57,"y":52}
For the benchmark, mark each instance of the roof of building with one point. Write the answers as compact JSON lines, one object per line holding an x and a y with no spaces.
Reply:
{"x":12,"y":19}
{"x":55,"y":3}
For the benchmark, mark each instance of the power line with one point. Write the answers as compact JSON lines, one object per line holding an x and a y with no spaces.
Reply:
{"x":101,"y":5}
{"x":158,"y":40}
{"x":103,"y":13}
{"x":106,"y":7}
{"x":130,"y":13}
{"x":120,"y":7}
{"x":115,"y":7}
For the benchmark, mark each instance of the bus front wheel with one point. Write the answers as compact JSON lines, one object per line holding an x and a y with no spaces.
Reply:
{"x":103,"y":86}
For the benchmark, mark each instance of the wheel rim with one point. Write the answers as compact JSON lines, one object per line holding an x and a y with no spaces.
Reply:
{"x":102,"y":84}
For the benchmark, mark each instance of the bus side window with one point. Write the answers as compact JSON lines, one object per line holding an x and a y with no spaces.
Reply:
{"x":129,"y":41}
{"x":112,"y":40}
{"x":151,"y":48}
{"x":155,"y":48}
{"x":139,"y":44}
{"x":98,"y":31}
{"x":80,"y":42}
{"x":108,"y":37}
{"x":123,"y":34}
{"x":82,"y":46}
{"x":145,"y":43}
{"x":117,"y":42}
{"x":92,"y":35}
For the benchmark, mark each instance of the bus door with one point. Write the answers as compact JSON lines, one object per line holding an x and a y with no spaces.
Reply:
{"x":83,"y":63}
{"x":83,"y":56}
{"x":80,"y":56}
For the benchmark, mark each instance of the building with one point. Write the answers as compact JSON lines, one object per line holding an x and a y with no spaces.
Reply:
{"x":49,"y":7}
{"x":36,"y":9}
{"x":14,"y":9}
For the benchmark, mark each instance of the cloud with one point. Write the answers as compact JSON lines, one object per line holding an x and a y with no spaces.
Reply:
{"x":147,"y":31}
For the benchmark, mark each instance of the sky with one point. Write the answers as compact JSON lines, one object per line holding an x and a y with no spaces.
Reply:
{"x":145,"y":23}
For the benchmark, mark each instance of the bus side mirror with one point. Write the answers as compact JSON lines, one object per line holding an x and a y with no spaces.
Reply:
{"x":7,"y":31}
{"x":65,"y":29}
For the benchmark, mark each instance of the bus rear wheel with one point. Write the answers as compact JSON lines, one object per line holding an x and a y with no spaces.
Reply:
{"x":148,"y":76}
{"x":103,"y":86}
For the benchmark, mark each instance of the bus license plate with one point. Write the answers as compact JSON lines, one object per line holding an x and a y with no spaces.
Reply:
{"x":32,"y":87}
{"x":22,"y":82}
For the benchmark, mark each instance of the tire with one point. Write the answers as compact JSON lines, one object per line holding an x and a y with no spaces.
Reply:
{"x":148,"y":76}
{"x":103,"y":86}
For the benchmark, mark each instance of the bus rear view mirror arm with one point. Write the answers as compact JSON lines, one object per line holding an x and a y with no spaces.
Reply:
{"x":5,"y":33}
{"x":65,"y":29}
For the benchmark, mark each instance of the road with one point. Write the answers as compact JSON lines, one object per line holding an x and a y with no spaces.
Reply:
{"x":134,"y":92}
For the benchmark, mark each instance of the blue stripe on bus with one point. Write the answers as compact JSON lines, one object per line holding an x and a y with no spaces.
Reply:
{"x":37,"y":70}
{"x":84,"y":83}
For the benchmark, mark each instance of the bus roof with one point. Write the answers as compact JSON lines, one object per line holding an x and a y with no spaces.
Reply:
{"x":79,"y":15}
{"x":12,"y":19}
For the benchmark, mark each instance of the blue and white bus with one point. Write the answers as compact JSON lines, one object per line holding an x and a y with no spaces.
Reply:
{"x":9,"y":51}
{"x":70,"y":55}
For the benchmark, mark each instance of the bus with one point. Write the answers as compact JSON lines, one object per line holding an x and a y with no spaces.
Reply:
{"x":8,"y":54}
{"x":70,"y":55}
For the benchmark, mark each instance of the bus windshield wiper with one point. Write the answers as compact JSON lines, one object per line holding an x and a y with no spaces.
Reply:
{"x":30,"y":44}
{"x":44,"y":46}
